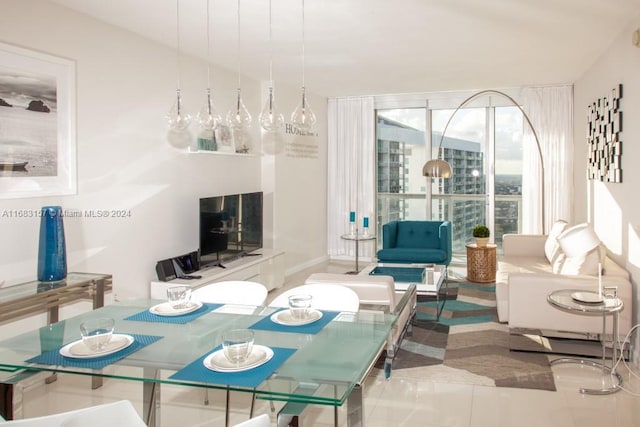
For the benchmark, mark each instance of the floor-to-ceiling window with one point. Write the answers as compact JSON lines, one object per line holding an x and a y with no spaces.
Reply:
{"x":400,"y":139}
{"x":484,"y":146}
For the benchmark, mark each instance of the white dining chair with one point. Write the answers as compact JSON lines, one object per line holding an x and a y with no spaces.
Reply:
{"x":259,"y":421}
{"x":120,"y":413}
{"x":241,"y":293}
{"x":232,"y":292}
{"x":326,"y":296}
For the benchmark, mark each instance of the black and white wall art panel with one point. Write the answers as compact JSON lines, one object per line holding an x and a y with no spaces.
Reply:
{"x":604,"y":128}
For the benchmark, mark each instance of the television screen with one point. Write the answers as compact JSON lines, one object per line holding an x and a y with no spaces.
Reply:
{"x":230,"y":227}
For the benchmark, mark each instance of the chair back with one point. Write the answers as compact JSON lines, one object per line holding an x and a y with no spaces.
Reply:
{"x":120,"y":414}
{"x":232,"y":292}
{"x":259,"y":421}
{"x":325,"y":297}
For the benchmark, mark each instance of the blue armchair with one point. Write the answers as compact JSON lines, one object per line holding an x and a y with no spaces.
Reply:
{"x":427,"y":242}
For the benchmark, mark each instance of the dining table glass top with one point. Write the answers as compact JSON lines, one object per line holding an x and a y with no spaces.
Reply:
{"x":323,"y":367}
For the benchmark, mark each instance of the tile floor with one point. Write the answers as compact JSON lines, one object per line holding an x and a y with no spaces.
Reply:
{"x":407,"y":399}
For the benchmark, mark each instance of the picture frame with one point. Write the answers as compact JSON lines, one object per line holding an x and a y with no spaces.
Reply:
{"x":37,"y":124}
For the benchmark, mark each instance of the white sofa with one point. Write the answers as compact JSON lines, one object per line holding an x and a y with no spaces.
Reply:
{"x":525,"y":277}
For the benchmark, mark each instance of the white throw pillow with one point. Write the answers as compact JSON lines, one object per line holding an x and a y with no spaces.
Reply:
{"x":581,"y":264}
{"x":551,"y":246}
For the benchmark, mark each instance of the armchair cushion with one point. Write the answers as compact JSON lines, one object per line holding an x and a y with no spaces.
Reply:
{"x":416,"y":242}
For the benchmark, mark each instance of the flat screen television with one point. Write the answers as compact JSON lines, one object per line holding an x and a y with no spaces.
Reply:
{"x":230,"y":227}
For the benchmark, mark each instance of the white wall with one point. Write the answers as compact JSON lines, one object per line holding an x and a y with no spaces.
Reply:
{"x":298,"y":180}
{"x":613,"y":208}
{"x":125,"y":86}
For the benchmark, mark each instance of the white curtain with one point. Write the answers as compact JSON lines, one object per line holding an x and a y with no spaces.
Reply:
{"x":351,"y":172}
{"x":550,"y":110}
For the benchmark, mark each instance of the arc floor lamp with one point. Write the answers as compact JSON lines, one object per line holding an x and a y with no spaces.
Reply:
{"x":440,"y":168}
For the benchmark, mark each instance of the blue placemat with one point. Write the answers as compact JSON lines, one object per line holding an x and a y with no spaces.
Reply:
{"x":147,"y":316}
{"x":54,"y":357}
{"x":267,"y":324}
{"x":196,"y":371}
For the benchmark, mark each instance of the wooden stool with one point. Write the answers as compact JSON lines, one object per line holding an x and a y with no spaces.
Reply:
{"x":481,"y":263}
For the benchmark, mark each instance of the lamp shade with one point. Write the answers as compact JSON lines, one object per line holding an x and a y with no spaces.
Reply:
{"x":437,"y":168}
{"x":578,"y":240}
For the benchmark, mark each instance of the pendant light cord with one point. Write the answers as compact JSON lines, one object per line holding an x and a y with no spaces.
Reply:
{"x":238,"y":45}
{"x":178,"y":40}
{"x":208,"y":48}
{"x":270,"y":49}
{"x":303,"y":42}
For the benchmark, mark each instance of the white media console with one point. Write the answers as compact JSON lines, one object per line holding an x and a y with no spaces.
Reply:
{"x":266,"y":268}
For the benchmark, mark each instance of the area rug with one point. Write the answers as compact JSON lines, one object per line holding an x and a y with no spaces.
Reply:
{"x":468,"y":345}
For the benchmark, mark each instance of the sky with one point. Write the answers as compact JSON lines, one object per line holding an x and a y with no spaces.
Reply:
{"x":18,"y":88}
{"x":469,"y":124}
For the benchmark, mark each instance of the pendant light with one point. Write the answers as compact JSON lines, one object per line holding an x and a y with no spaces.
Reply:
{"x":303,"y":117}
{"x":208,"y":117}
{"x":178,"y":135}
{"x":271,"y":119}
{"x":239,"y":117}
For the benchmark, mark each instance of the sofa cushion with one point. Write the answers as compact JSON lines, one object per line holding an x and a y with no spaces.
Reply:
{"x":523,"y":264}
{"x":551,"y":245}
{"x":418,"y":235}
{"x":407,"y":255}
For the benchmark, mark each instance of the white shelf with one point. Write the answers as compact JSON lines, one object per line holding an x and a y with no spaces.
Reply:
{"x":191,"y":150}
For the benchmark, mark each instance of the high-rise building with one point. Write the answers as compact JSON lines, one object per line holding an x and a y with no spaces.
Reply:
{"x":460,"y":199}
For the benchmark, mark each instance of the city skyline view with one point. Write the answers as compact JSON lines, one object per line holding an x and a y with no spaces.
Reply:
{"x":460,"y":199}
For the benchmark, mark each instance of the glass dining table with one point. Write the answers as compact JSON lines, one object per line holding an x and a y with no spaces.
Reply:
{"x":322,"y":363}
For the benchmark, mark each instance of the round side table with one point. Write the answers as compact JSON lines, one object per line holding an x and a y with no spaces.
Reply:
{"x":357,"y":238}
{"x":572,"y":301}
{"x":481,"y":263}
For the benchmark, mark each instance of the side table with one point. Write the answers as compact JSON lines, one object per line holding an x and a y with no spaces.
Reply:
{"x":357,"y":238}
{"x":572,"y":301}
{"x":481,"y":263}
{"x":35,"y":297}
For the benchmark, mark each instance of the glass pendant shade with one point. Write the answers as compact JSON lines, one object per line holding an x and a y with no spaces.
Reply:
{"x":303,"y":117}
{"x":178,"y":120}
{"x":208,"y":117}
{"x":178,"y":135}
{"x":271,"y":119}
{"x":239,"y":117}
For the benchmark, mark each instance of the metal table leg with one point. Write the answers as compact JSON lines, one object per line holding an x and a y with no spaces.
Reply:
{"x":151,"y":398}
{"x":606,"y":370}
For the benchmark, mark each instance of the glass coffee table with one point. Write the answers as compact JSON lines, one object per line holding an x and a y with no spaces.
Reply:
{"x":428,"y":278}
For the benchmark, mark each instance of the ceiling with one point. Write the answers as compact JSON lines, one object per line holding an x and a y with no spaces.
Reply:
{"x":364,"y":47}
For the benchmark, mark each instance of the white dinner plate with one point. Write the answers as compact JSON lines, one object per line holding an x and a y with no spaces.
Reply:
{"x":165,"y":309}
{"x":217,"y":361}
{"x":283,"y":317}
{"x":588,"y":297}
{"x":78,"y":350}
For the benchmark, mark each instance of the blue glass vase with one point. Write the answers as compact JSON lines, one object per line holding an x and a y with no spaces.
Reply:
{"x":52,"y":251}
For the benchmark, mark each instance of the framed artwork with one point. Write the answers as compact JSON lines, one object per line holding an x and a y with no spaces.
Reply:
{"x":37,"y":124}
{"x":224,"y":139}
